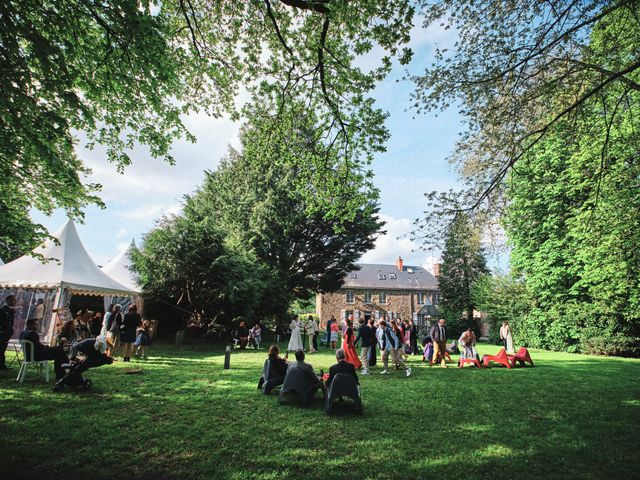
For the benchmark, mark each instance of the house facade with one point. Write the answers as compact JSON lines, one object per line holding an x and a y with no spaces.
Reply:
{"x":378,"y":291}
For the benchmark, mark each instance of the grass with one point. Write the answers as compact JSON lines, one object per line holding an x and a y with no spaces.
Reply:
{"x":184,"y":417}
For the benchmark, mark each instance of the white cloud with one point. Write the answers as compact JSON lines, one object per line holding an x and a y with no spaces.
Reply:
{"x":150,"y":212}
{"x":121,"y":233}
{"x":397,"y":243}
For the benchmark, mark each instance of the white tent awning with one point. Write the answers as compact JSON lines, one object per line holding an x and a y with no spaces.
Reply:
{"x":70,"y":266}
{"x":119,"y":268}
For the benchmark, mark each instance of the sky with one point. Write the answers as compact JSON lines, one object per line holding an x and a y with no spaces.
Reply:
{"x":415,"y":162}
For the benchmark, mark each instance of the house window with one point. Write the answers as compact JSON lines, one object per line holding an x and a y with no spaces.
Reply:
{"x":421,"y":298}
{"x":393,"y":276}
{"x":367,"y":297}
{"x":353,"y":275}
{"x":436,"y":298}
{"x":382,"y":276}
{"x":383,"y":297}
{"x":349,"y":296}
{"x":409,"y":270}
{"x":367,"y":315}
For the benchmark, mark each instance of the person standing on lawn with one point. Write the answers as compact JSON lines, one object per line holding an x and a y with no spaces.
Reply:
{"x":295,"y":342}
{"x":388,"y":346}
{"x":312,"y":332}
{"x":7,"y":316}
{"x":505,"y":336}
{"x":439,"y":338}
{"x":364,"y":334}
{"x":330,"y":322}
{"x":128,"y":329}
{"x":349,"y":348}
{"x":373,"y":340}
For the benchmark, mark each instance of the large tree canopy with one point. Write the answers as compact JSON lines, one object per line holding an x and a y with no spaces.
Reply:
{"x":296,"y":229}
{"x":125,"y":71}
{"x":515,"y":71}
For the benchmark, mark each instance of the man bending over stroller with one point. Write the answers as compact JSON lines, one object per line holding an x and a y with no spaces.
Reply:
{"x":93,"y":351}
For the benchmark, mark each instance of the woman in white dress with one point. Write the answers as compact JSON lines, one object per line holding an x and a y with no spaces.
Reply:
{"x":295,"y":342}
{"x":505,"y":336}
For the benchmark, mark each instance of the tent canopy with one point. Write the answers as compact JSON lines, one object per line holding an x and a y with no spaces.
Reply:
{"x":119,"y":268}
{"x":71,"y":267}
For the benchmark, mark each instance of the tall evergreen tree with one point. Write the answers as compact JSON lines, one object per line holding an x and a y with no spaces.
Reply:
{"x":463,"y":264}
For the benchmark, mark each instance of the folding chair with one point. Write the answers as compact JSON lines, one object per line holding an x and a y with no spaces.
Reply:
{"x":343,"y":385}
{"x":30,"y":360}
{"x":297,"y":381}
{"x":270,"y":379}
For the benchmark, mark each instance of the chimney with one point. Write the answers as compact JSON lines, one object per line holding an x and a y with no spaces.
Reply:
{"x":436,"y":269}
{"x":400,"y":264}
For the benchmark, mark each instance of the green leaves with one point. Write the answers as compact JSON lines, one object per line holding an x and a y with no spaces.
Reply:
{"x":124,"y":72}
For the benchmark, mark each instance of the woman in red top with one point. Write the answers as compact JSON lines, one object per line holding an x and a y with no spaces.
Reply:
{"x":349,"y":348}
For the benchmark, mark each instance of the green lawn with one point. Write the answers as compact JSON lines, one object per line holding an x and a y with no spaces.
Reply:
{"x":572,"y":416}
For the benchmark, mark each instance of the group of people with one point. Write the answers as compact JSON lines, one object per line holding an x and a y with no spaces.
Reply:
{"x":75,"y":337}
{"x":252,"y":336}
{"x":298,"y":328}
{"x":128,"y":330}
{"x":314,"y":381}
{"x":393,"y":339}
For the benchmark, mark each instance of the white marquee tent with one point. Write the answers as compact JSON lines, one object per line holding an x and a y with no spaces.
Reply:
{"x":67,"y":270}
{"x":119,"y":268}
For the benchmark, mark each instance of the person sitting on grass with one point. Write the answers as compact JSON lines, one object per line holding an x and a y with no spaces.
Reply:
{"x":315,"y":382}
{"x":42,"y":351}
{"x":277,"y":365}
{"x":341,"y":367}
{"x":255,"y":335}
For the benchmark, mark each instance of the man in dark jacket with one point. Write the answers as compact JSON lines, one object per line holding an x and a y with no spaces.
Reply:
{"x":7,"y":315}
{"x":364,"y":333}
{"x":42,"y":351}
{"x":341,"y":367}
{"x":439,"y":337}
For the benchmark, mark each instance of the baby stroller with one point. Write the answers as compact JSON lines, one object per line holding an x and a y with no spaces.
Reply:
{"x":94,"y":356}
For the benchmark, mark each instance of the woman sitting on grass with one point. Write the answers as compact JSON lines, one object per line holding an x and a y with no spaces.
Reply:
{"x":277,"y":368}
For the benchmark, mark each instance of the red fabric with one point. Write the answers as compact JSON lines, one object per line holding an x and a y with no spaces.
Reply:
{"x":350,"y":351}
{"x":500,"y":358}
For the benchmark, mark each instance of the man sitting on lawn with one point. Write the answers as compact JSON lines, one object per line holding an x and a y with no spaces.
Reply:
{"x":341,"y":367}
{"x":307,"y":368}
{"x":42,"y":351}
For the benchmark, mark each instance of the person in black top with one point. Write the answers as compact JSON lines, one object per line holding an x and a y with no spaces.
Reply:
{"x":42,"y":351}
{"x":413,"y":329}
{"x":341,"y":367}
{"x":7,"y":315}
{"x":95,"y":324}
{"x":243,"y":335}
{"x":373,"y":355}
{"x":128,"y":331}
{"x":329,"y":322}
{"x":364,"y":334}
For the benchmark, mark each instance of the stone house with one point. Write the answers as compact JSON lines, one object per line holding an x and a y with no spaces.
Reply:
{"x":393,"y":291}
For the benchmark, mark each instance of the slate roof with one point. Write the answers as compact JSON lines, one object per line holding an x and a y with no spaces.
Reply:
{"x":380,"y":276}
